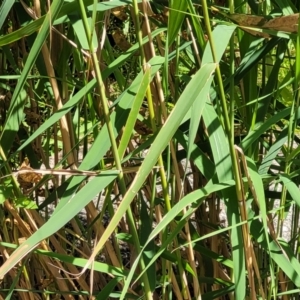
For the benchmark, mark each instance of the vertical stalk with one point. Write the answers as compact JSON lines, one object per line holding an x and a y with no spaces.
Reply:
{"x":227,"y":124}
{"x":114,"y":147}
{"x":234,"y":157}
{"x":164,"y":181}
{"x":231,"y":92}
{"x":291,"y":135}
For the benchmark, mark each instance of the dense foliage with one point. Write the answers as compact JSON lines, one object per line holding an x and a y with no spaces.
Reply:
{"x":149,"y":149}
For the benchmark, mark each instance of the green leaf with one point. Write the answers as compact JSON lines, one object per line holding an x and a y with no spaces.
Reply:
{"x":15,"y":111}
{"x":273,"y":152}
{"x":258,"y":186}
{"x":254,"y":134}
{"x":195,"y":87}
{"x":4,"y":10}
{"x":104,"y":6}
{"x":130,"y":52}
{"x":176,"y":17}
{"x":200,"y":159}
{"x":223,"y":165}
{"x":67,"y":8}
{"x":102,"y":143}
{"x":221,"y":37}
{"x":58,"y":220}
{"x":285,"y":261}
{"x":81,"y":262}
{"x":24,"y":202}
{"x":292,"y":188}
{"x":195,"y":199}
{"x":137,"y":102}
{"x":60,"y":113}
{"x":78,"y":27}
{"x":218,"y":143}
{"x":108,"y":289}
{"x":6,"y":191}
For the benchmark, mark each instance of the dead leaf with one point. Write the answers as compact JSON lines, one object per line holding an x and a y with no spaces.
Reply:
{"x":119,"y":12}
{"x":285,"y":23}
{"x":29,"y":176}
{"x":120,"y":40}
{"x":248,"y":20}
{"x":141,"y":128}
{"x":162,"y":17}
{"x":32,"y":118}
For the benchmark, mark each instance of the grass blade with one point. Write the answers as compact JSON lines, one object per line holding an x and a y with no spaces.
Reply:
{"x":165,"y":134}
{"x":62,"y":216}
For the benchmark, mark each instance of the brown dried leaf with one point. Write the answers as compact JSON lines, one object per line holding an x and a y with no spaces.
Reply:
{"x":163,"y":17}
{"x":28,"y":177}
{"x":284,"y":23}
{"x":141,"y":128}
{"x":32,"y":118}
{"x":248,"y":20}
{"x":120,"y":40}
{"x":119,"y":12}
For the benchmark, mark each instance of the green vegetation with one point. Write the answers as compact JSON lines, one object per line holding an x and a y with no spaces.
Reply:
{"x":173,"y":125}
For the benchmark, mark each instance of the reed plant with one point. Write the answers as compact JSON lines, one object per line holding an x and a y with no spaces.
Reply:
{"x":149,"y":149}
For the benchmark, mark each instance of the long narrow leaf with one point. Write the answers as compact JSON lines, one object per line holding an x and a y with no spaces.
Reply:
{"x":15,"y":112}
{"x":58,"y":220}
{"x":164,"y":136}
